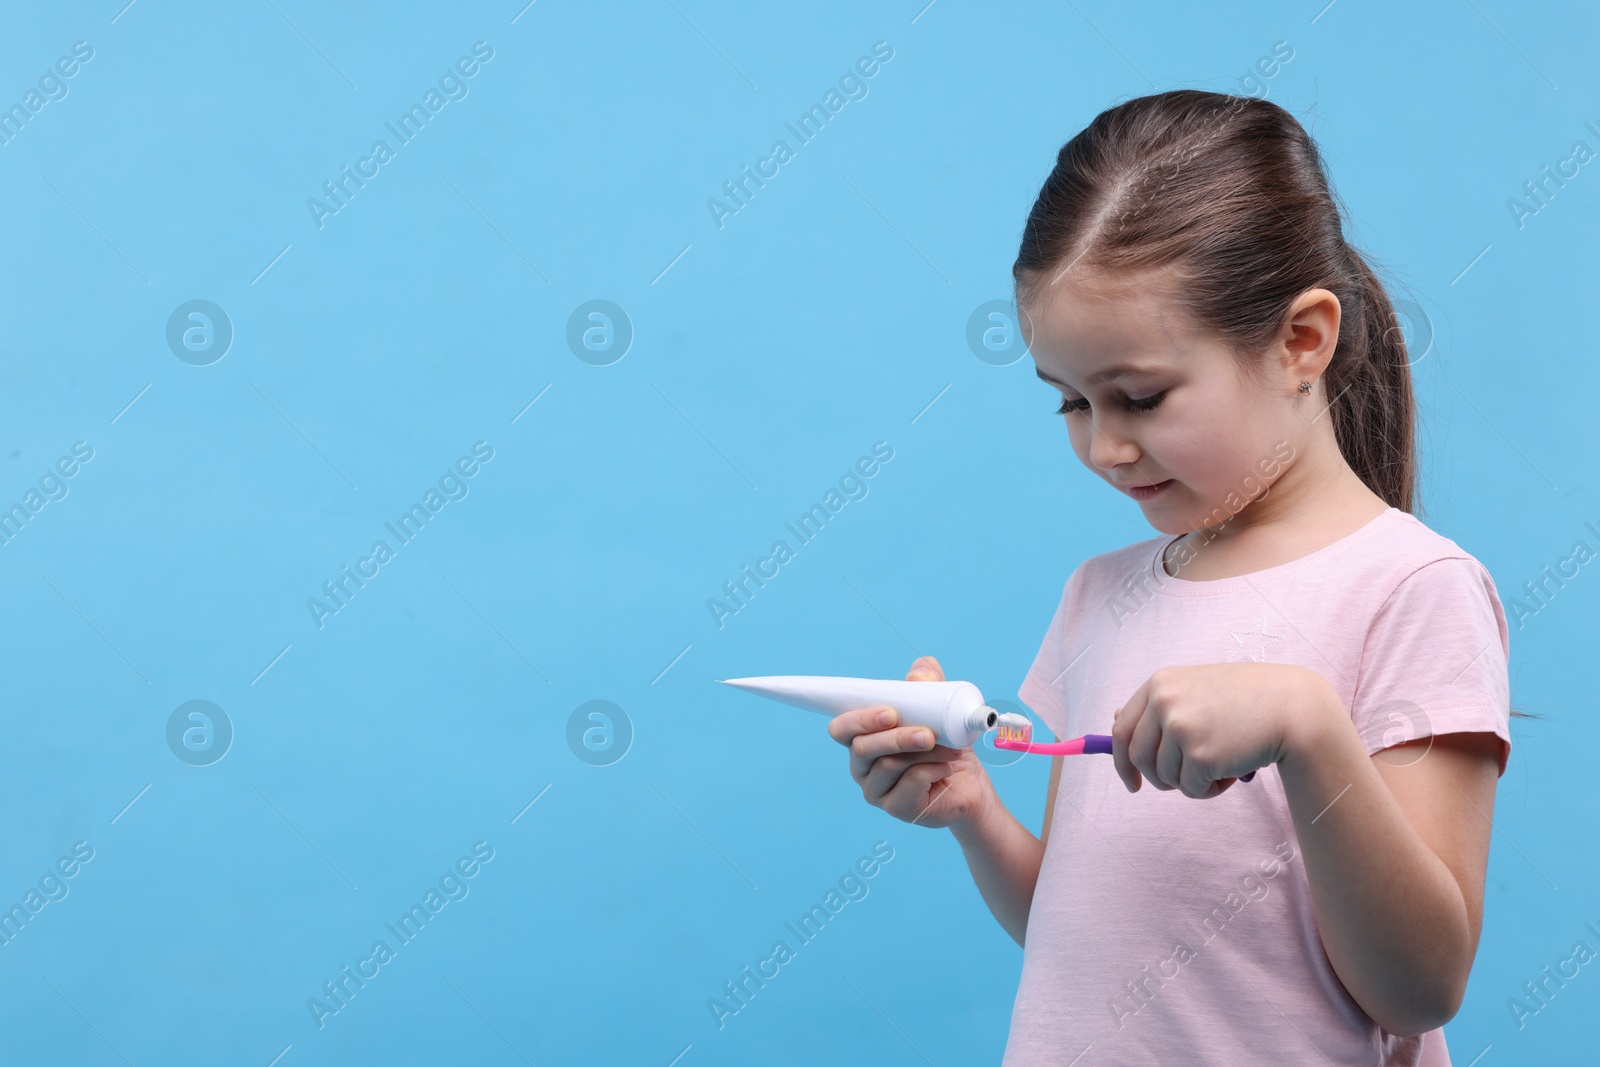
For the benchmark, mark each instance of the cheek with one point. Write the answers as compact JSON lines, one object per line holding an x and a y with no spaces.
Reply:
{"x":1198,"y":444}
{"x":1214,"y":454}
{"x":1078,"y":433}
{"x":1182,"y":441}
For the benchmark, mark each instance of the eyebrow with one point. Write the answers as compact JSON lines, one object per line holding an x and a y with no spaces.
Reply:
{"x":1121,"y":370}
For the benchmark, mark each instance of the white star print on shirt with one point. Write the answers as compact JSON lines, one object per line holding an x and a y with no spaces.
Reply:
{"x":1253,"y":643}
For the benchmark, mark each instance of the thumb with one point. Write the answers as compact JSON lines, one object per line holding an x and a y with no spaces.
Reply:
{"x":925,"y":669}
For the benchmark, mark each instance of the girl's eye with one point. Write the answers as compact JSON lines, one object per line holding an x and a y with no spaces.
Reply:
{"x":1134,"y":404}
{"x":1146,"y":403}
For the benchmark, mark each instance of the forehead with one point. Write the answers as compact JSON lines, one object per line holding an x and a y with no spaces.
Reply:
{"x":1081,"y":331}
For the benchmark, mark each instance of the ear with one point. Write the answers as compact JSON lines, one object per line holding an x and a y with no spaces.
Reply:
{"x":1309,"y":337}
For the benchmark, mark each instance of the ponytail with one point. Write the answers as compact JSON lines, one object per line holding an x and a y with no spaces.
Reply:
{"x":1368,"y":385}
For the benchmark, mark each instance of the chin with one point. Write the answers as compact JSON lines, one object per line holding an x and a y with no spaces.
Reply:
{"x":1165,"y":523}
{"x":1164,"y":514}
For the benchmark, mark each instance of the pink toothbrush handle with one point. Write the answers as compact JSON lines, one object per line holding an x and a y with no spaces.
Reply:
{"x":1088,"y":744}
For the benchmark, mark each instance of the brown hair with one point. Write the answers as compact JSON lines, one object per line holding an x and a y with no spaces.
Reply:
{"x":1231,"y":193}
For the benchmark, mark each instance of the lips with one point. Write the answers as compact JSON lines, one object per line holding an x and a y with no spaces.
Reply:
{"x":1145,"y":492}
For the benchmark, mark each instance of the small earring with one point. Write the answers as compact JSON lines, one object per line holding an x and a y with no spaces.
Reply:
{"x":1305,"y":388}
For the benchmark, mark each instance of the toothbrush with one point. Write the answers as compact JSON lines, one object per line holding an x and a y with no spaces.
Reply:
{"x":1016,"y":740}
{"x":953,"y":710}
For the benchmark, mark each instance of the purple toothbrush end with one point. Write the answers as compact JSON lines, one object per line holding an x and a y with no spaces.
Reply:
{"x":1099,"y":743}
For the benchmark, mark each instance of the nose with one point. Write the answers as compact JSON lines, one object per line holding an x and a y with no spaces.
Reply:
{"x":1107,"y":450}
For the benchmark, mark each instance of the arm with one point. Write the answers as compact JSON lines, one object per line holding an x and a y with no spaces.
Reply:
{"x":1395,"y":847}
{"x":1004,"y":857}
{"x":904,"y":772}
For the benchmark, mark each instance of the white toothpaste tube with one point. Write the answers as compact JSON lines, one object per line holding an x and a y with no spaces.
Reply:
{"x":954,"y":711}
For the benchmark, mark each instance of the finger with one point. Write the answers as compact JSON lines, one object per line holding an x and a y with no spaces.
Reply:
{"x":1143,"y":745}
{"x":1169,"y":761}
{"x":916,"y":793}
{"x":1124,"y":766}
{"x":868,"y":747}
{"x":1193,"y":782}
{"x":925,"y":669}
{"x":1119,"y":749}
{"x":1122,"y":726}
{"x":886,"y":772}
{"x":846,"y":726}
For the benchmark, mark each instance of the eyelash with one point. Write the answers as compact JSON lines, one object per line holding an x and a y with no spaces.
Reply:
{"x":1137,"y":406}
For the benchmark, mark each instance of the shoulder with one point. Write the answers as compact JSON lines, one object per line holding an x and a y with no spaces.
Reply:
{"x":1409,"y":555}
{"x":1114,"y":569}
{"x":1424,"y":577}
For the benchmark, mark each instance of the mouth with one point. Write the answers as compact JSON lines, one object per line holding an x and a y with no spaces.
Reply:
{"x":1145,"y":492}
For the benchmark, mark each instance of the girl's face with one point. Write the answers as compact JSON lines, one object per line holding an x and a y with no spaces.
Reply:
{"x":1166,"y":415}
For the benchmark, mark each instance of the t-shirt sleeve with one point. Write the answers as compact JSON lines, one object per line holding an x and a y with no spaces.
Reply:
{"x":1041,"y":689}
{"x":1435,"y":660}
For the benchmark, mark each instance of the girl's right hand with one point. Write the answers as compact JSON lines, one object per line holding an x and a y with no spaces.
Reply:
{"x":901,"y":770}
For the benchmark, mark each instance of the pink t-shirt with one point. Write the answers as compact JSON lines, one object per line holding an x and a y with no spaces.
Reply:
{"x":1171,"y":930}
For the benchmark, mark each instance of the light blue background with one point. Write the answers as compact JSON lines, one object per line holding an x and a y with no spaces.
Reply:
{"x":827,"y":315}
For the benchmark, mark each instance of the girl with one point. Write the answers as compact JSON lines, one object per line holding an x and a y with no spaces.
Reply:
{"x":1225,"y":358}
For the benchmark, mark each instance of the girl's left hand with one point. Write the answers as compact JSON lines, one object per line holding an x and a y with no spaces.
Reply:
{"x":1197,"y":728}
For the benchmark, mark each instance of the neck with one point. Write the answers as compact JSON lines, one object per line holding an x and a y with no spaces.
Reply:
{"x":1316,"y":494}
